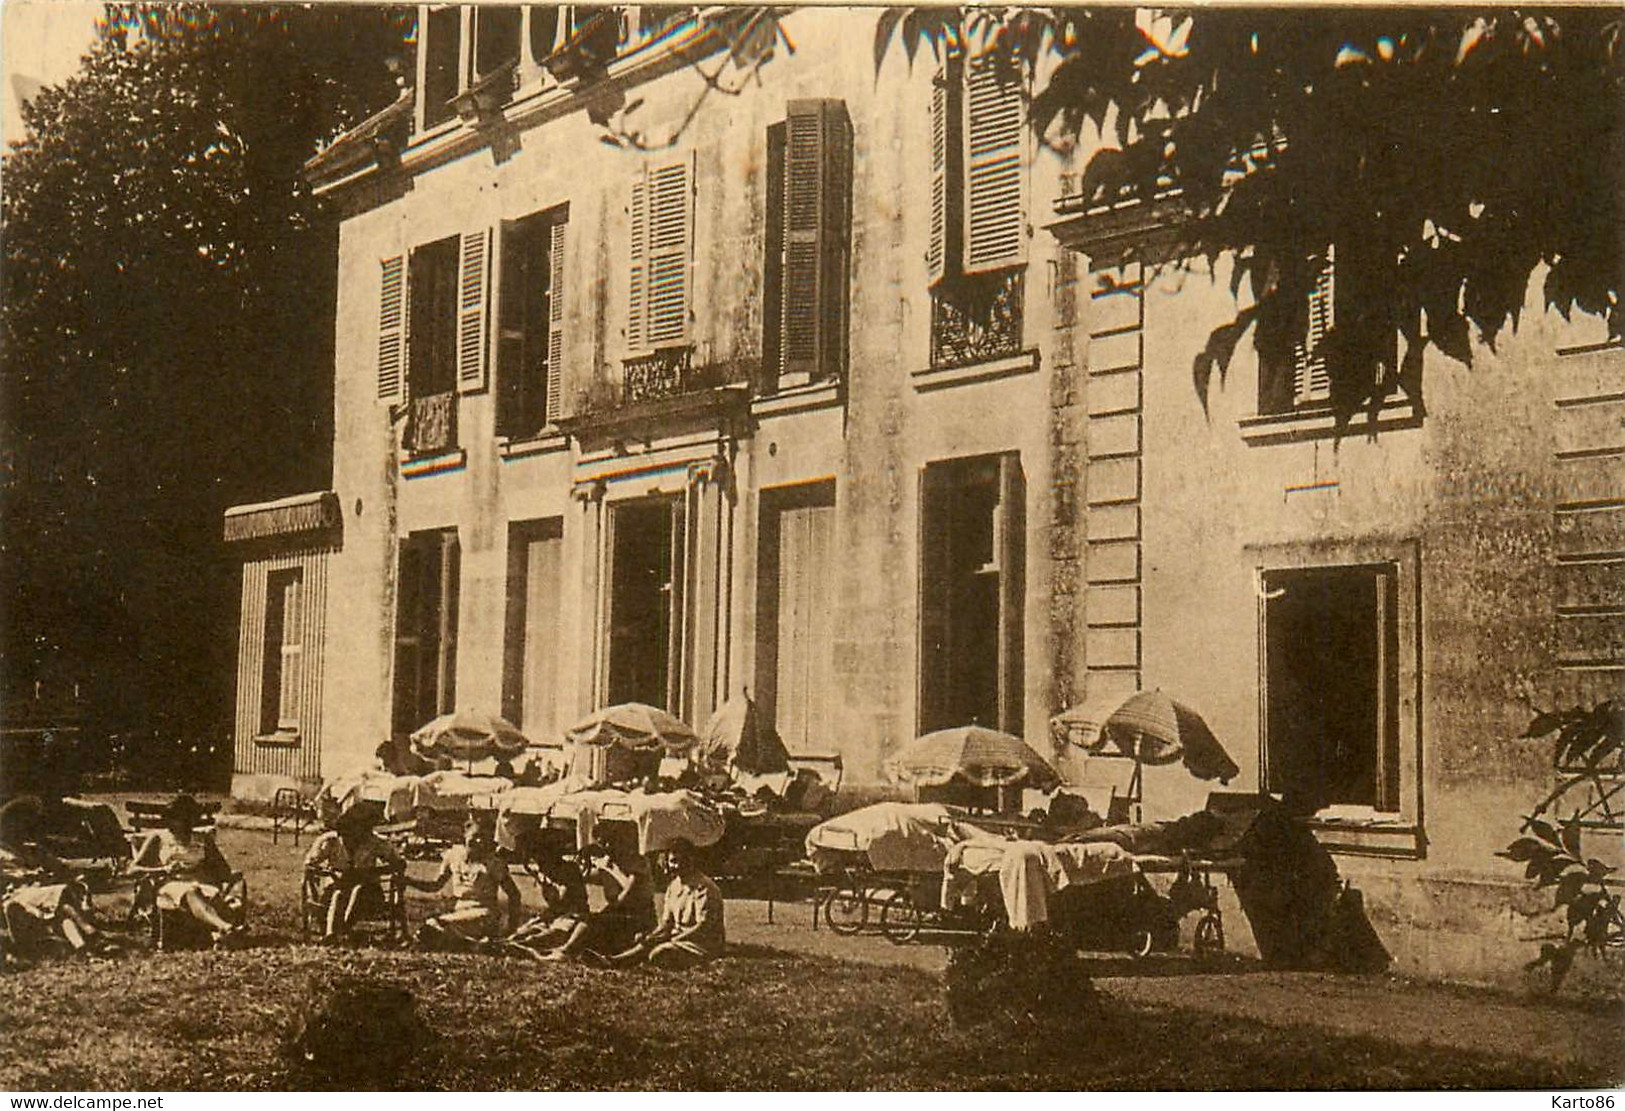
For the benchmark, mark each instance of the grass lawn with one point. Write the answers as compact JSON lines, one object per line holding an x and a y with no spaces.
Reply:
{"x":766,"y":1018}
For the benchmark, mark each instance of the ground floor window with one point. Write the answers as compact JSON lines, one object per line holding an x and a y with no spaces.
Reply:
{"x":795,"y":612}
{"x":646,"y":547}
{"x":426,"y":628}
{"x":534,"y":633}
{"x":1331,"y":686}
{"x":282,"y":670}
{"x":972,"y":581}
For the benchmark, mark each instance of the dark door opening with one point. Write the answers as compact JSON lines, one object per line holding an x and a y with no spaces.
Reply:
{"x":426,"y":629}
{"x":645,"y":602}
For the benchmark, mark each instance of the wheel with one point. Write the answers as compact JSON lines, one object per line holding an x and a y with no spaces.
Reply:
{"x":1140,"y":943}
{"x":1209,"y":938}
{"x":900,"y":918}
{"x":847,"y":910}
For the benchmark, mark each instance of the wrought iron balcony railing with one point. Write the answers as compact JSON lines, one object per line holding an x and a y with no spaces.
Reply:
{"x":976,"y":317}
{"x":431,"y":427}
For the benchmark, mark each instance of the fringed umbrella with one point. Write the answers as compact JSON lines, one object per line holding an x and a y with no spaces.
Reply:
{"x":1147,"y":727}
{"x":635,"y":726}
{"x":469,"y":735}
{"x":984,"y":757}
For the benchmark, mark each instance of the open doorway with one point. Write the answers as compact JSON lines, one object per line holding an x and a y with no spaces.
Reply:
{"x":645,"y":602}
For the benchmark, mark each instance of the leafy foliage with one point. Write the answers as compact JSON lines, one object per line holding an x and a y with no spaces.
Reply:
{"x":1587,"y":748}
{"x":1019,"y":978}
{"x":168,"y":300}
{"x":1421,"y":142}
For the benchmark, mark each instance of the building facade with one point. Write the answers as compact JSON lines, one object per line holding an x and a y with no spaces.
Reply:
{"x":814,"y":382}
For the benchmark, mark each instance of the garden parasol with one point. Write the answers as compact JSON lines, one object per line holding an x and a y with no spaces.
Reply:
{"x":469,"y":735}
{"x":635,"y":726}
{"x":736,"y":738}
{"x":984,"y":757}
{"x":1147,"y":727}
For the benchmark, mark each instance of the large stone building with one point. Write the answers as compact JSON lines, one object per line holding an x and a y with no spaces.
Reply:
{"x":828,"y":390}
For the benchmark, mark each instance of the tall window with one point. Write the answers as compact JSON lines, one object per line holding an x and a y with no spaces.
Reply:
{"x":978,"y":241}
{"x":1331,"y":686}
{"x":282,"y":667}
{"x":795,"y":621}
{"x":809,"y":232}
{"x":530,"y":344}
{"x":426,"y":595}
{"x":972,"y":584}
{"x":534,"y":637}
{"x":662,"y":250}
{"x":646,"y":543}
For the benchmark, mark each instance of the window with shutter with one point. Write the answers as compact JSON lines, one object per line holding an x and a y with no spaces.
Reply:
{"x":473,"y":279}
{"x":1311,"y":383}
{"x":392,"y":330}
{"x":281,"y":671}
{"x":978,"y":233}
{"x":530,"y":315}
{"x":994,"y":212}
{"x":662,"y":228}
{"x":815,"y":226}
{"x":440,"y":72}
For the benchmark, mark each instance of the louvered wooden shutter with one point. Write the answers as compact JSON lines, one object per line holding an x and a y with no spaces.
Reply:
{"x":995,"y":212}
{"x":936,"y":254}
{"x":392,"y":331}
{"x":669,"y":241}
{"x":817,"y":183}
{"x":637,"y":286}
{"x":473,"y":283}
{"x":1311,"y":381}
{"x":555,"y":319}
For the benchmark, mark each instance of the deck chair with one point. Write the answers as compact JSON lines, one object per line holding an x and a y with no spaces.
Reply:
{"x":385,"y":915}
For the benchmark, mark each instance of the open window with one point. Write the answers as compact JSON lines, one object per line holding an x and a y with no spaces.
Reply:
{"x":462,"y":47}
{"x":426,"y":611}
{"x":972,"y":585}
{"x":530,"y":343}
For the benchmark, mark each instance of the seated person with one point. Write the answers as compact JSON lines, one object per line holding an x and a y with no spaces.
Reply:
{"x":628,"y":911}
{"x":348,"y":860}
{"x":200,"y":882}
{"x":477,"y":873}
{"x":40,"y":902}
{"x":563,"y":890}
{"x":691,"y":928}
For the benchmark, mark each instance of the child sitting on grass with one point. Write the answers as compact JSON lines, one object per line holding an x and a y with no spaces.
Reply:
{"x":477,"y":873}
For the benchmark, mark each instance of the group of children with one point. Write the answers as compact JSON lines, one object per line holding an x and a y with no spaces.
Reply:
{"x":350,"y":860}
{"x":182,"y":873}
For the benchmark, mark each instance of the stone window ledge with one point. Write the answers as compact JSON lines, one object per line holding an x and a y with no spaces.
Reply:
{"x":280,"y":739}
{"x":1010,"y":366}
{"x":798,"y":399}
{"x":1390,"y":836}
{"x":548,"y":440}
{"x":422,"y":466}
{"x":1319,"y":424}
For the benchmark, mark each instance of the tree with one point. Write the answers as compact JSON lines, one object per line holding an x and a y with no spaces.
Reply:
{"x":1456,"y":150}
{"x":168,"y":301}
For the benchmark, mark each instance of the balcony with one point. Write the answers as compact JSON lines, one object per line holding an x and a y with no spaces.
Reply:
{"x":659,"y":393}
{"x":431,"y":426}
{"x":976,"y":318}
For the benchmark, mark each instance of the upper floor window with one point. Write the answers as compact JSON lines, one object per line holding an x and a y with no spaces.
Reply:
{"x":432,"y":333}
{"x":459,"y":46}
{"x":530,"y":323}
{"x":660,"y":283}
{"x":978,"y":210}
{"x":809,"y":234}
{"x":1349,"y":293}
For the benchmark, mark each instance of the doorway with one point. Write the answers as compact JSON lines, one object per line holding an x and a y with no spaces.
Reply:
{"x":645,"y":602}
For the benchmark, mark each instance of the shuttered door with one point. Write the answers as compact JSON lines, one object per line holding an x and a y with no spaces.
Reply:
{"x":805,"y":625}
{"x":531,"y":650}
{"x":392,"y":330}
{"x":1311,"y":381}
{"x":555,"y":320}
{"x":817,"y":183}
{"x":936,"y":500}
{"x":995,"y":216}
{"x":473,"y":282}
